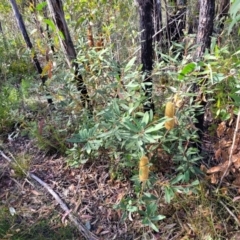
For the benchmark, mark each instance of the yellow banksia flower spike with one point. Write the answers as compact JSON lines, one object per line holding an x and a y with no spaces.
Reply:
{"x":169,"y":112}
{"x":143,"y":168}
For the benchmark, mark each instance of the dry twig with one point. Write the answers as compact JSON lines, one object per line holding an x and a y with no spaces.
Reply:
{"x":231,"y":151}
{"x":79,"y":225}
{"x":230,"y":212}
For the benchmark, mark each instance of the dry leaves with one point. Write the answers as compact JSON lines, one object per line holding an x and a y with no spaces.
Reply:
{"x":222,"y":152}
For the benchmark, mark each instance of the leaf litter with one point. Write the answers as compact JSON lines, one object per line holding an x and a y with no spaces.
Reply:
{"x":87,"y":190}
{"x":90,"y":193}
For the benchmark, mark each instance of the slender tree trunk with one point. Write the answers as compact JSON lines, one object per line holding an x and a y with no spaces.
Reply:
{"x":147,"y":31}
{"x":205,"y":30}
{"x":23,"y":30}
{"x":205,"y":27}
{"x":56,"y":9}
{"x":157,"y":16}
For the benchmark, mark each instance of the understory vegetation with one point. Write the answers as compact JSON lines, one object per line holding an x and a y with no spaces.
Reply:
{"x":151,"y":174}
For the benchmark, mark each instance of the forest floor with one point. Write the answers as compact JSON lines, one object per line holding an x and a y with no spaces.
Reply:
{"x":28,"y":211}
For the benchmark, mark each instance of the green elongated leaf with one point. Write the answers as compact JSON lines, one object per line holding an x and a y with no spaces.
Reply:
{"x":153,"y":226}
{"x":151,"y":208}
{"x":50,"y":23}
{"x":118,"y":136}
{"x":177,"y":179}
{"x":146,"y":220}
{"x":106,"y":134}
{"x":139,"y":144}
{"x":132,"y":85}
{"x":131,"y":208}
{"x":169,"y":194}
{"x":186,"y":176}
{"x":40,"y":6}
{"x":234,"y":9}
{"x":195,"y":183}
{"x":125,"y":107}
{"x":236,"y":53}
{"x":88,"y":148}
{"x":150,"y":196}
{"x":155,"y":128}
{"x":218,"y":77}
{"x":158,"y":218}
{"x":186,"y":70}
{"x":145,"y":118}
{"x":79,"y":22}
{"x":150,"y":115}
{"x":130,"y":64}
{"x":116,"y":107}
{"x":130,"y":126}
{"x":150,"y":139}
{"x":236,"y":99}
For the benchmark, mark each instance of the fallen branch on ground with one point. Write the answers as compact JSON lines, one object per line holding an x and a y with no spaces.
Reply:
{"x":80,"y":226}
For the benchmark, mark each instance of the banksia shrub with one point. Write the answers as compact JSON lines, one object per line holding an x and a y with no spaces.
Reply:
{"x":169,"y":112}
{"x":143,"y":169}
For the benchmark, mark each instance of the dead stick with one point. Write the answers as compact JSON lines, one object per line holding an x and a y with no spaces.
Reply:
{"x":6,"y":157}
{"x":230,"y":212}
{"x":231,"y":150}
{"x":80,"y":226}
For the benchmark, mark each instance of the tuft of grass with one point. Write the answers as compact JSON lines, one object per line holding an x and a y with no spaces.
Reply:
{"x":13,"y":227}
{"x":21,"y":164}
{"x":202,"y":215}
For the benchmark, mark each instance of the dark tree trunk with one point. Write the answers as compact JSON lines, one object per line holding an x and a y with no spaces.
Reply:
{"x":147,"y":31}
{"x":157,"y":16}
{"x":56,"y":9}
{"x":205,"y":27}
{"x":205,"y":30}
{"x":23,"y":30}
